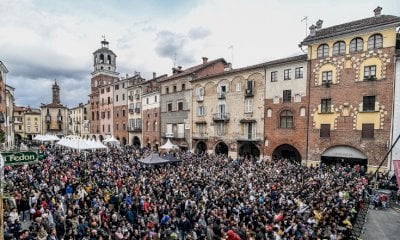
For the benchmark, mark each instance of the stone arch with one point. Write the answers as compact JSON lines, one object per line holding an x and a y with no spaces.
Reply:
{"x":237,"y":80}
{"x":286,"y":151}
{"x":201,"y":147}
{"x":221,"y":148}
{"x":344,"y":155}
{"x":249,"y":149}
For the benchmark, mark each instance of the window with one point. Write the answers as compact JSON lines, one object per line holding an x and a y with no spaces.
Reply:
{"x":116,"y":87}
{"x":368,"y":103}
{"x":367,"y":130}
{"x":147,"y":126}
{"x":220,"y":129}
{"x":238,"y":88}
{"x":250,"y":85}
{"x":183,"y":87}
{"x":274,"y":76}
{"x":326,"y":105}
{"x":269,"y":112}
{"x":223,"y":89}
{"x":286,"y":119}
{"x":155,"y":126}
{"x":155,"y":98}
{"x":166,"y":90}
{"x":356,"y":45}
{"x":116,"y":98}
{"x":287,"y":95}
{"x":250,"y":130}
{"x":201,"y":128}
{"x":325,"y":131}
{"x":248,"y":105}
{"x":180,"y":106}
{"x":123,"y":112}
{"x":370,"y":72}
{"x":287,"y":74}
{"x":169,"y":107}
{"x":201,"y":111}
{"x":326,"y":77}
{"x":323,"y":51}
{"x":298,"y":73}
{"x":174,"y":88}
{"x":107,"y":89}
{"x":339,"y":48}
{"x":123,"y":97}
{"x":375,"y":41}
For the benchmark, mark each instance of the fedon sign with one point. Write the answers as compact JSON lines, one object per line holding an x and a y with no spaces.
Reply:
{"x":18,"y":158}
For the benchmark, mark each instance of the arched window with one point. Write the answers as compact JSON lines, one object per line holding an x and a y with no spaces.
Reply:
{"x":155,"y":126}
{"x":323,"y":50}
{"x":339,"y":48}
{"x":108,"y":59}
{"x":375,"y":41}
{"x":148,"y":126}
{"x":286,"y":119}
{"x":357,"y":45}
{"x":101,"y":58}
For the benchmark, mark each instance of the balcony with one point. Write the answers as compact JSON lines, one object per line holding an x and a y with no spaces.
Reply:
{"x":131,"y":110}
{"x":130,"y":97}
{"x":222,"y":95}
{"x":221,"y":117}
{"x":137,"y":110}
{"x":250,"y":137}
{"x":249,"y":92}
{"x":200,"y":135}
{"x":134,"y":128}
{"x":200,"y":98}
{"x":169,"y":135}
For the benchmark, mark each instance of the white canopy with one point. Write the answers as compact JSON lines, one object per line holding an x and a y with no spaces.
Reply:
{"x":112,"y":141}
{"x":80,"y":144}
{"x":168,"y":146}
{"x":46,"y":137}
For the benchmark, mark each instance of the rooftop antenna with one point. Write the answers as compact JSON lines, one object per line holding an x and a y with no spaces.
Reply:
{"x":174,"y":59}
{"x":231,"y":48}
{"x":305,"y":18}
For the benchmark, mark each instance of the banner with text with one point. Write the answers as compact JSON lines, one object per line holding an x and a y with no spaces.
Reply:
{"x":396,"y":166}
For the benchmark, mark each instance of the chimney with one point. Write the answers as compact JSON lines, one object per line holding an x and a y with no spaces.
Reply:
{"x":319,"y":24}
{"x":154,"y":75}
{"x":205,"y":60}
{"x":377,"y":11}
{"x":312,"y":30}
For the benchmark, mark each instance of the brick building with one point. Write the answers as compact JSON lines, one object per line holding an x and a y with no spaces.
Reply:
{"x":350,"y":90}
{"x":286,"y":108}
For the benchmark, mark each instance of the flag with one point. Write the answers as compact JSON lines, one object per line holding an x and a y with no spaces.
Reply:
{"x":396,"y":167}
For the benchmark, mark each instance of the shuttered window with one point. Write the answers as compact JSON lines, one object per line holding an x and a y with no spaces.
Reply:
{"x":325,"y":131}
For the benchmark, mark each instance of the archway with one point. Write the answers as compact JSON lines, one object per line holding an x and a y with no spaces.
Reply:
{"x":344,"y":155}
{"x":101,"y":138}
{"x":29,"y":137}
{"x":94,"y":137}
{"x":287,"y":151}
{"x":221,"y":148}
{"x":249,"y":149}
{"x":201,"y":147}
{"x":18,"y":139}
{"x":136,"y":142}
{"x":123,"y":141}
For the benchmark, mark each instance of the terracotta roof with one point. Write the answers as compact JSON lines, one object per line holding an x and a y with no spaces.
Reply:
{"x":302,"y":57}
{"x":366,"y":23}
{"x":193,"y":69}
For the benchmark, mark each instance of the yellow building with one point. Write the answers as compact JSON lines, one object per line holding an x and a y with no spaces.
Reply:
{"x":350,"y":88}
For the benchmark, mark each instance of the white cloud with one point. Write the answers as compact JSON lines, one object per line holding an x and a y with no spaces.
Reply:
{"x":43,"y":40}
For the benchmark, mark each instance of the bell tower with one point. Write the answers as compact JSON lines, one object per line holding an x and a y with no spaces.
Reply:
{"x":104,"y":60}
{"x":56,"y":93}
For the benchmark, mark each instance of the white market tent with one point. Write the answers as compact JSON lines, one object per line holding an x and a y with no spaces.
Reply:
{"x":46,"y":137}
{"x":168,"y":146}
{"x":78,"y":143}
{"x":111,"y":141}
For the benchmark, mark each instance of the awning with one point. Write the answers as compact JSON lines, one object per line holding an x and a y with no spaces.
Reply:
{"x":344,"y":152}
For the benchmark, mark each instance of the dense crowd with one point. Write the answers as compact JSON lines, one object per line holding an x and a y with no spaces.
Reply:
{"x":110,"y":195}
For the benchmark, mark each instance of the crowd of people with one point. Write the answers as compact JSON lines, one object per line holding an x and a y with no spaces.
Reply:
{"x":110,"y":195}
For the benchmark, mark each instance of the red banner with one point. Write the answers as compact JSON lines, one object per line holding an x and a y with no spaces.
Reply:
{"x":396,"y":167}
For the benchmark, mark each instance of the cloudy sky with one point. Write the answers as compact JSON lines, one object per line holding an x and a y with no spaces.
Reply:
{"x":44,"y":40}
